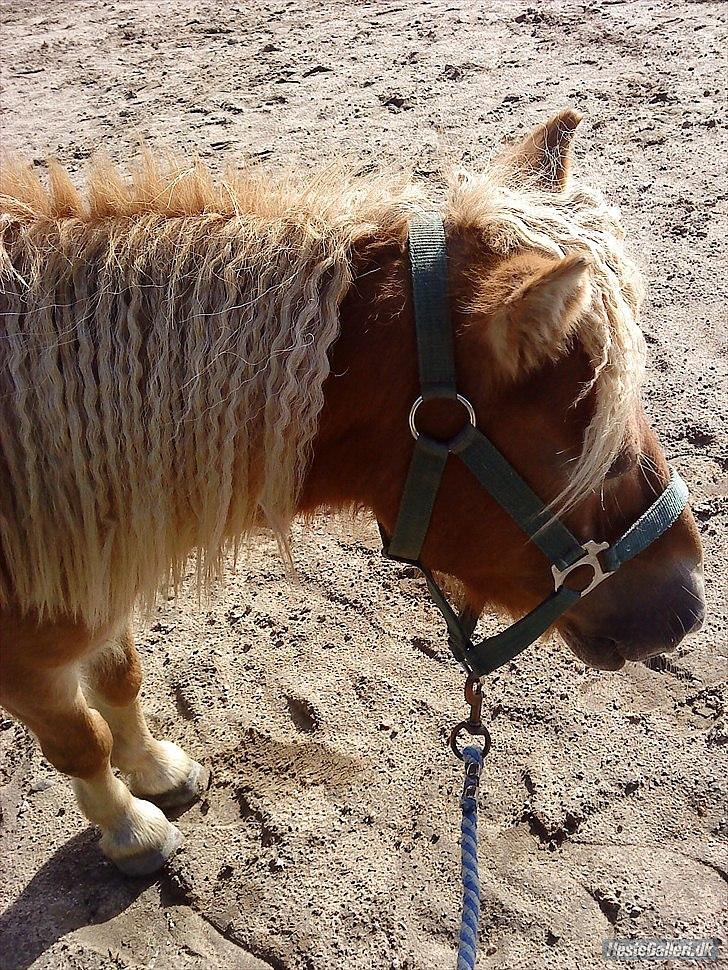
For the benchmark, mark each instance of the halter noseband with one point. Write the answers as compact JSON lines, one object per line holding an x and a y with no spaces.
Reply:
{"x":428,"y":266}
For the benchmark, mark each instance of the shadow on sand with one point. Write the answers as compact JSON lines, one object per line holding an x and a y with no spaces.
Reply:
{"x":76,"y":887}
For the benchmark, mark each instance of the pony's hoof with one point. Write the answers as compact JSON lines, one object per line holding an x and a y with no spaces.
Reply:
{"x":194,"y":785}
{"x":150,"y":861}
{"x":144,"y":842}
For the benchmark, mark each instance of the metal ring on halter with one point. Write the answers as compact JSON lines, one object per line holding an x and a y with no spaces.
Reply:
{"x":463,"y":400}
{"x":465,"y":727}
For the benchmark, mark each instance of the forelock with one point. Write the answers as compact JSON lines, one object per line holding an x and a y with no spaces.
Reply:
{"x":511,"y":217}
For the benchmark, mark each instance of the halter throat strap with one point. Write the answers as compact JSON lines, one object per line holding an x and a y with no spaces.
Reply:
{"x":436,"y":361}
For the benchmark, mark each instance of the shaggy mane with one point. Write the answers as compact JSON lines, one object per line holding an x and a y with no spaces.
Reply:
{"x":511,"y":215}
{"x":164,"y":344}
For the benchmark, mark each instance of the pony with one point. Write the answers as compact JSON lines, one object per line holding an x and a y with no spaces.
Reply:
{"x":185,"y":361}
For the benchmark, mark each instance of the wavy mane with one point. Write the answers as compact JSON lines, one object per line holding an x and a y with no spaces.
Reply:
{"x":164,"y":345}
{"x":510,"y":215}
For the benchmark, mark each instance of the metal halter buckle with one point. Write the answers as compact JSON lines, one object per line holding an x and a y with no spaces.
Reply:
{"x":474,"y":725}
{"x":420,"y":400}
{"x":590,"y":558}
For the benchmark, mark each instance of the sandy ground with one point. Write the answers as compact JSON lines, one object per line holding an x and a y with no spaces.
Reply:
{"x":329,"y":835}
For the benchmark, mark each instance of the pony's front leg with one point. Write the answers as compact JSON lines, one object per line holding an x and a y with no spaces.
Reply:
{"x":156,"y":770}
{"x":77,"y":741}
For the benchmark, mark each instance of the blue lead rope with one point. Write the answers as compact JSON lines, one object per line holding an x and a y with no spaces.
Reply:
{"x":468,"y":941}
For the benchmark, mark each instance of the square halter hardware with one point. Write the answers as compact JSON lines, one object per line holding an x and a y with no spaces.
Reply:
{"x":590,"y":559}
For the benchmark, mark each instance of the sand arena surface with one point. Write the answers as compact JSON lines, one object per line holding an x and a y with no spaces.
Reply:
{"x":329,"y":837}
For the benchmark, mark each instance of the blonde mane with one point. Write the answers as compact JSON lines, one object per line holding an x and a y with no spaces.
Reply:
{"x":511,"y":217}
{"x":164,"y":345}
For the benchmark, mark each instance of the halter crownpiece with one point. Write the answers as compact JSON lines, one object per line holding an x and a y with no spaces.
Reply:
{"x":428,"y":268}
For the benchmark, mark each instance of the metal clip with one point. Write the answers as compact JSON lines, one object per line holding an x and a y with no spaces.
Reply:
{"x":474,"y":724}
{"x":589,"y":559}
{"x":474,"y":697}
{"x":472,"y":779}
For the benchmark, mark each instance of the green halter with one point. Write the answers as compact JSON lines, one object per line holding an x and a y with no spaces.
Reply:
{"x":428,"y":263}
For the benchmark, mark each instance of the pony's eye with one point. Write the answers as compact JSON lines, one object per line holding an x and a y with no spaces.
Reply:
{"x":623,"y":463}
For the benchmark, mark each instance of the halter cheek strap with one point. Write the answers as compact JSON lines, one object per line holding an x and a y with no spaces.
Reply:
{"x":428,"y":262}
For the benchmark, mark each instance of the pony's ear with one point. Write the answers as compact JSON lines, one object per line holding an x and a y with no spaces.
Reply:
{"x":534,"y":304}
{"x":544,"y":157}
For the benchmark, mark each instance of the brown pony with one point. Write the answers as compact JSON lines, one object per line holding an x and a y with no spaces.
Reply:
{"x":183,"y":362}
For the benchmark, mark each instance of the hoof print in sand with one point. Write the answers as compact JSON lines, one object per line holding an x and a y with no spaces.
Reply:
{"x":302,"y":714}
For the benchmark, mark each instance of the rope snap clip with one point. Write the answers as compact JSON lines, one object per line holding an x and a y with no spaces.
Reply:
{"x":473,"y":726}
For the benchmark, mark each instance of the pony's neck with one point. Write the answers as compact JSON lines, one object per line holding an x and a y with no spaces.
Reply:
{"x":362,"y":449}
{"x":373,"y":376}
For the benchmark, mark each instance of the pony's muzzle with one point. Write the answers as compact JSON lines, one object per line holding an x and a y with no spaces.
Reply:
{"x":635,"y":624}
